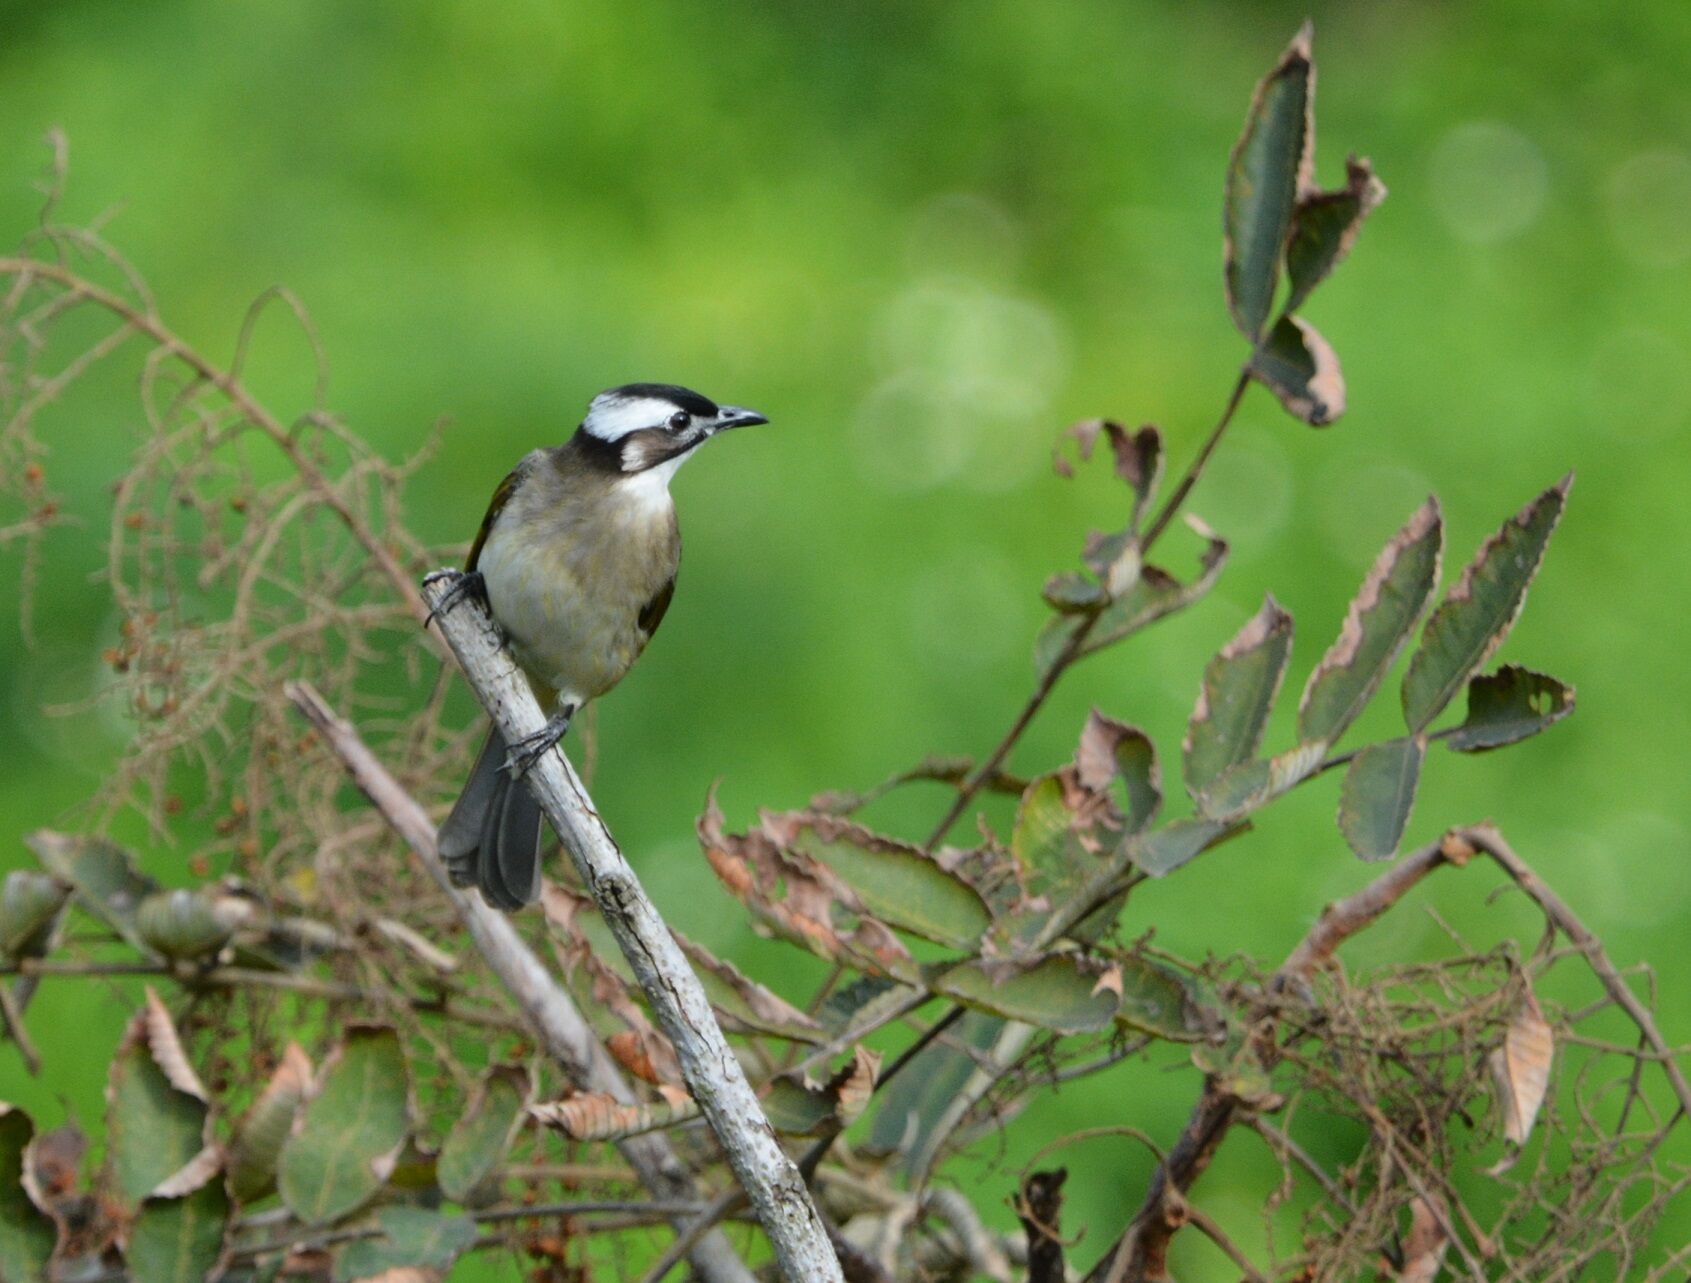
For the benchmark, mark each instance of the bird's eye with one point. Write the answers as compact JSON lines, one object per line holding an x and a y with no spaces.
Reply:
{"x":679,"y":420}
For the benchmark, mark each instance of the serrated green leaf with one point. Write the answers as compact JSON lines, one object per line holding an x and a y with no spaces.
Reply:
{"x":27,"y":1234}
{"x":1393,"y":594}
{"x":477,"y":1143}
{"x":1300,"y":367}
{"x":1269,"y":167}
{"x":1072,"y":993}
{"x":1510,"y":705}
{"x":1236,"y":697}
{"x":257,"y":1148}
{"x":1156,"y":595}
{"x":1378,"y":794}
{"x":102,"y":874}
{"x":181,"y":1239}
{"x":410,"y":1237}
{"x":344,"y":1146}
{"x":897,"y":883}
{"x":1244,"y":788}
{"x":1477,"y":614}
{"x":1325,"y":226}
{"x":156,"y":1111}
{"x":1173,"y":845}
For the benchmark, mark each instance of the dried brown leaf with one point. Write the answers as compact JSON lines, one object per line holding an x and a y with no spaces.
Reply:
{"x":1521,"y":1069}
{"x":166,"y":1045}
{"x":597,"y":1116}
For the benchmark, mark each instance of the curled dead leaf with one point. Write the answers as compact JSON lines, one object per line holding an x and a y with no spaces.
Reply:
{"x":1520,"y":1069}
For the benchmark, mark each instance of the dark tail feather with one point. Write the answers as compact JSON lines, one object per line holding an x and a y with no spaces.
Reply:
{"x":492,"y":838}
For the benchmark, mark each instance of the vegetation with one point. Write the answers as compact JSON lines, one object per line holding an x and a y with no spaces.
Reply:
{"x":1505,"y":1110}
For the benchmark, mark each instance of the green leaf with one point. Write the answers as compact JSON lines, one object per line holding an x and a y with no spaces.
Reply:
{"x":157,"y":1117}
{"x":181,"y":924}
{"x":27,"y":1234}
{"x":1044,"y":842}
{"x":30,"y":904}
{"x":1072,"y":593}
{"x":897,"y":883}
{"x":1300,"y":367}
{"x":411,"y":1237}
{"x":1393,"y":595}
{"x":103,"y":875}
{"x":1237,"y":695}
{"x":345,"y":1144}
{"x":180,"y":1239}
{"x":1509,"y":705}
{"x":1113,"y":753}
{"x":915,"y":1101}
{"x":1174,"y":844}
{"x":1269,"y":167}
{"x":1325,"y":226}
{"x":1378,"y":794}
{"x":477,"y":1143}
{"x":1477,"y":614}
{"x":1244,"y":788}
{"x":1157,"y":594}
{"x":1072,"y":993}
{"x":804,"y":1108}
{"x":251,"y":1165}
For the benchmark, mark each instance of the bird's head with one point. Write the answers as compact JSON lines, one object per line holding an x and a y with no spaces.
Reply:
{"x":640,"y":427}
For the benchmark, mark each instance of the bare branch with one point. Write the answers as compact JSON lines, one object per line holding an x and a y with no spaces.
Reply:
{"x":709,"y":1066}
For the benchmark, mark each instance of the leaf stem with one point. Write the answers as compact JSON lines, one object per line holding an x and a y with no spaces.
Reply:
{"x":1077,"y":640}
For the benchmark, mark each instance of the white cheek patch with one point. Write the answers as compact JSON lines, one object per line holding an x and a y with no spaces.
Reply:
{"x":611,"y":419}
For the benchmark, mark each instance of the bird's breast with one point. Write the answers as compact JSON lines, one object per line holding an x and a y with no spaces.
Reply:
{"x":568,"y":585}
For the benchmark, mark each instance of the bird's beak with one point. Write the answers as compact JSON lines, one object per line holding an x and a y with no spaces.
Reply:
{"x":737,"y":416}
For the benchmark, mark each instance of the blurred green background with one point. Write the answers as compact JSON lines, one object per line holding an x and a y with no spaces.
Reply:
{"x":923,"y":239}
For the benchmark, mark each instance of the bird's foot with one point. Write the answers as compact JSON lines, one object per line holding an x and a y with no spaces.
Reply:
{"x":529,"y":749}
{"x":461,"y":584}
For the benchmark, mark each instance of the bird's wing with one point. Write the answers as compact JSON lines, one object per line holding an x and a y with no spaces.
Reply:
{"x":652,"y":613}
{"x":506,"y":488}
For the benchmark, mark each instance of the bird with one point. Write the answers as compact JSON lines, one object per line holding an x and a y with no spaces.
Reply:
{"x":575,"y":562}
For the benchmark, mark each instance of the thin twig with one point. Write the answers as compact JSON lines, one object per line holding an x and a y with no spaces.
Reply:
{"x":12,"y":1017}
{"x":989,"y":766}
{"x":254,"y":978}
{"x":148,"y":323}
{"x":718,"y":1209}
{"x":1485,"y":837}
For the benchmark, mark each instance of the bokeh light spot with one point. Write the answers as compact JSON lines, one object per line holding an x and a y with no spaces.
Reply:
{"x":1488,"y":181}
{"x":1648,"y":202}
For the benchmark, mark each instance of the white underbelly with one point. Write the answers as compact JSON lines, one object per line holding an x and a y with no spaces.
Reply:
{"x":577,"y":638}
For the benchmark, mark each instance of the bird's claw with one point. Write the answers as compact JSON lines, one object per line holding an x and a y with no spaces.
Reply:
{"x":523,"y":754}
{"x":463,"y":583}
